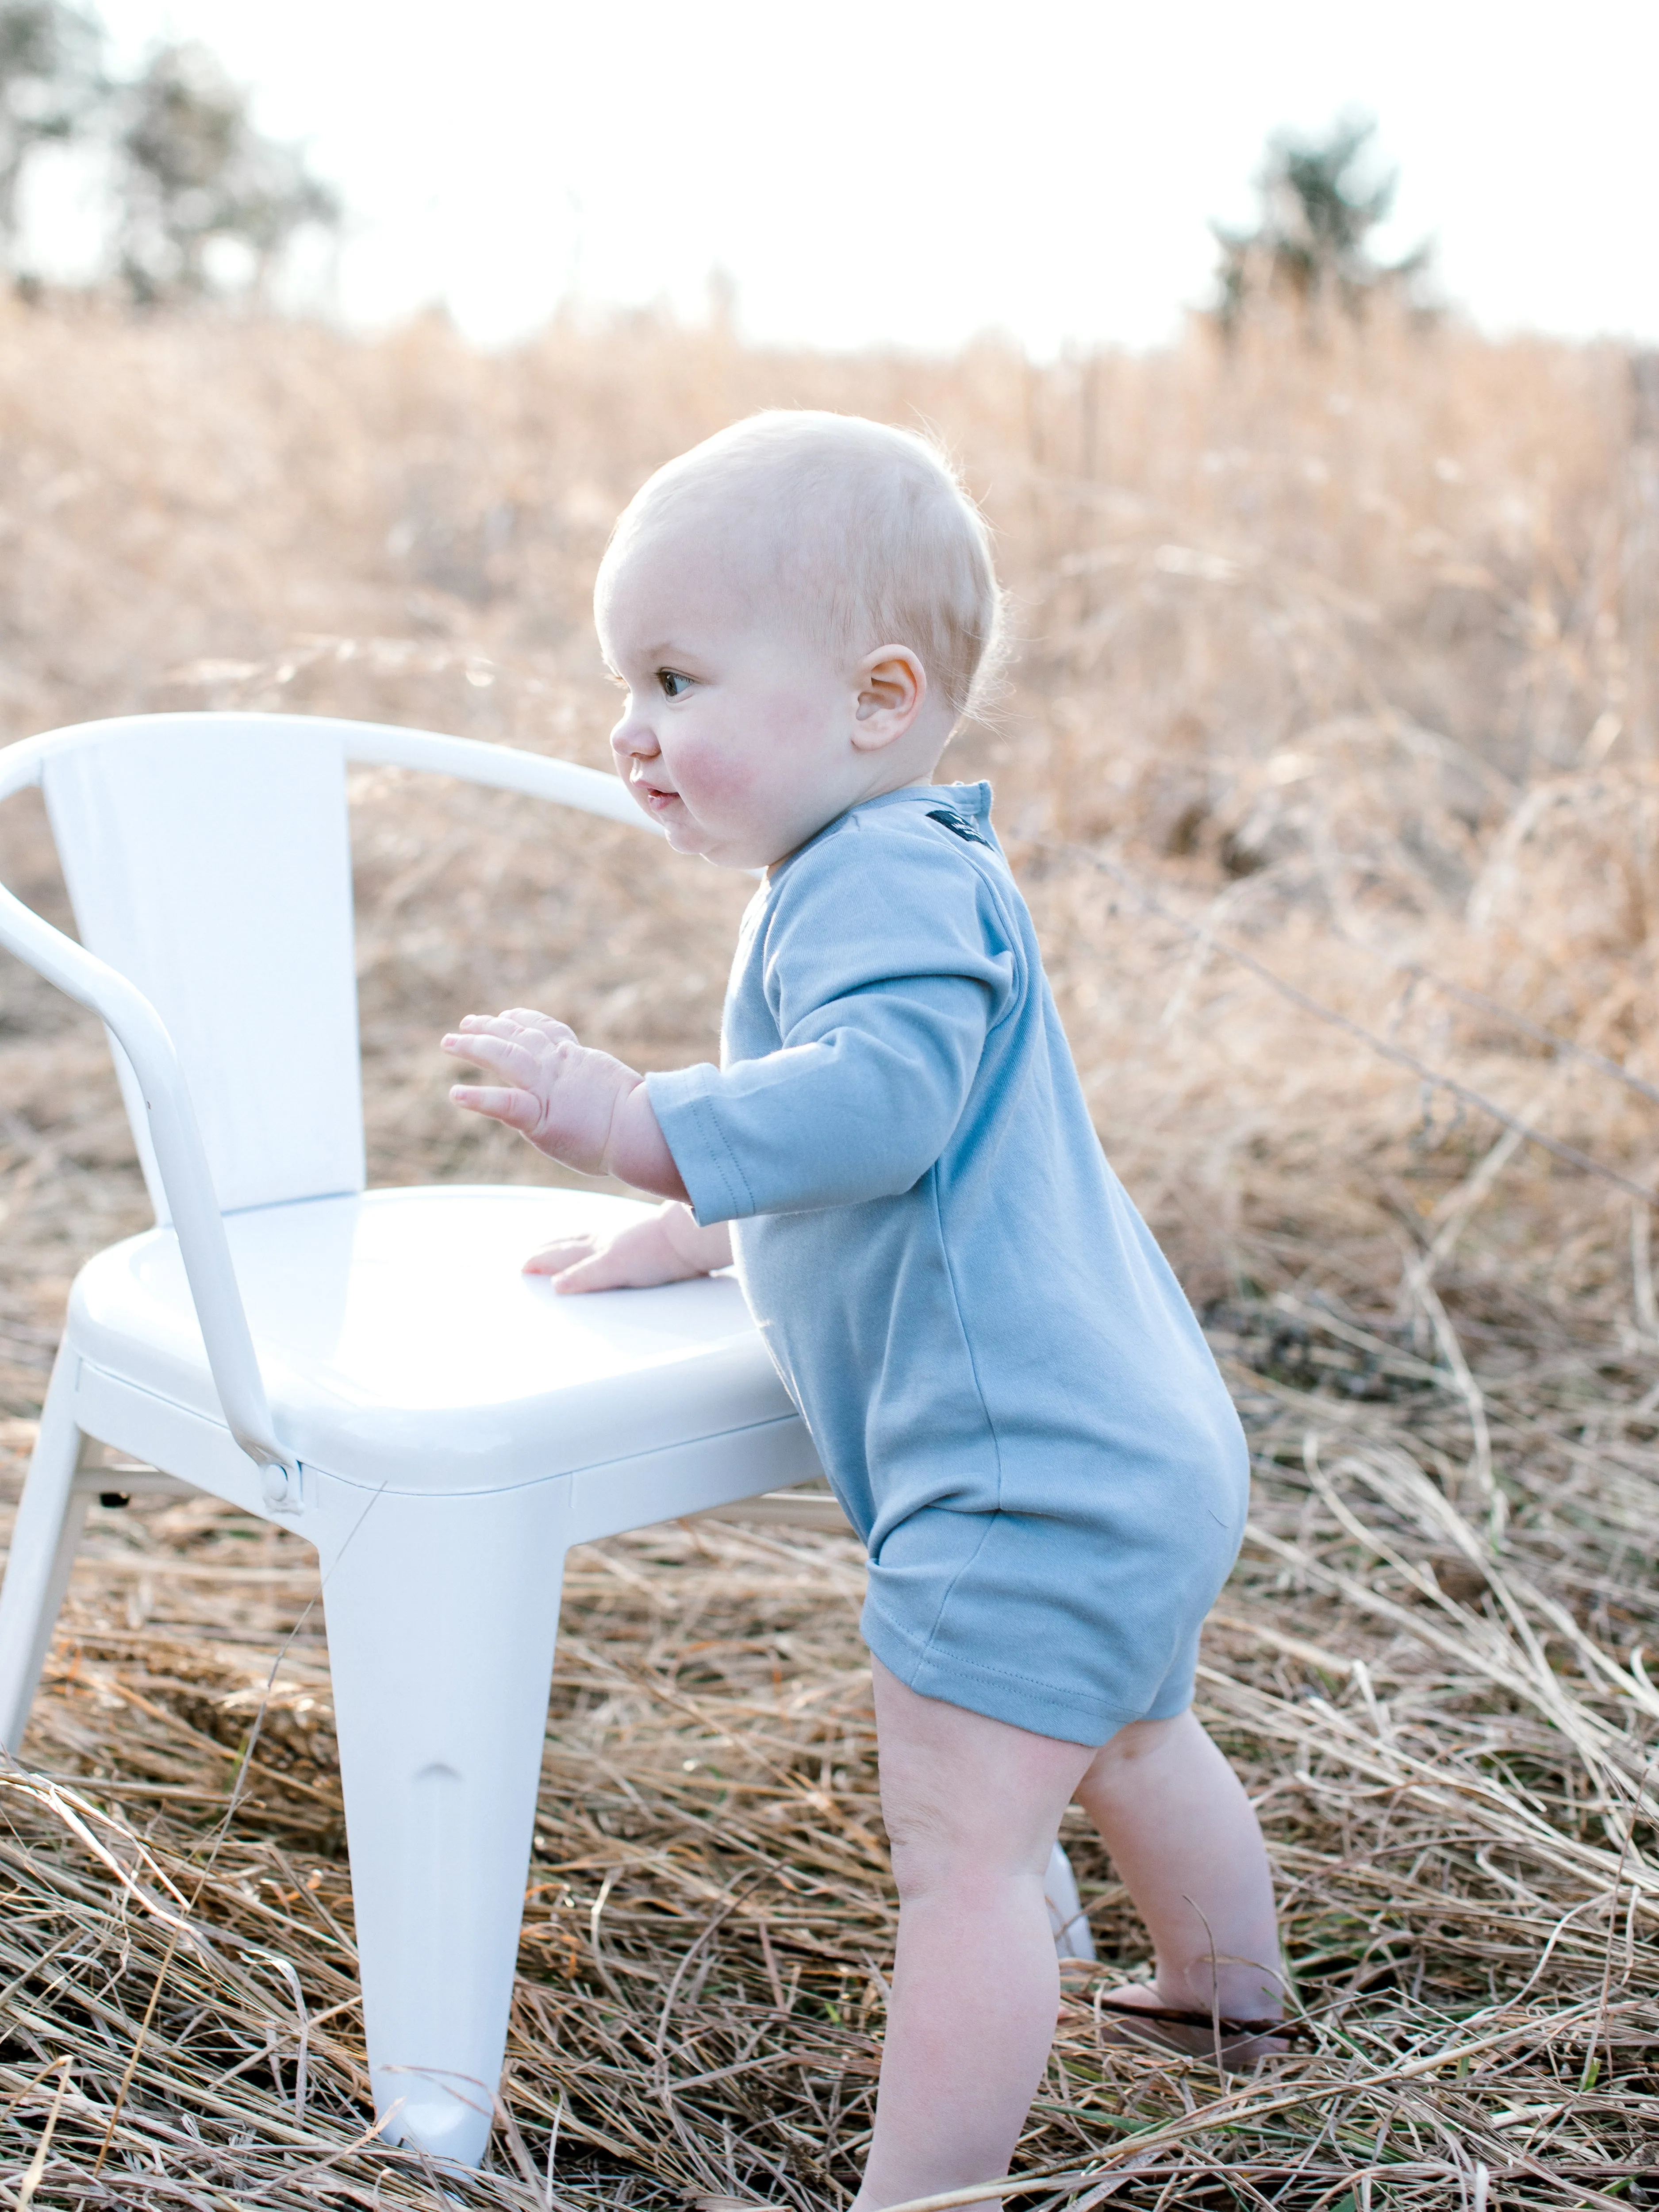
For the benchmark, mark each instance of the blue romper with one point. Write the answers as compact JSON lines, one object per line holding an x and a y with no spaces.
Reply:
{"x":1006,"y":1387}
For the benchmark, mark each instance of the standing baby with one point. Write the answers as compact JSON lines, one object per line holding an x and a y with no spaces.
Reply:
{"x":1006,"y":1385}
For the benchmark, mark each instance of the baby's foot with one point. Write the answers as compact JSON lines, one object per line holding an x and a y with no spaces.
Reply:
{"x":1136,"y":2013}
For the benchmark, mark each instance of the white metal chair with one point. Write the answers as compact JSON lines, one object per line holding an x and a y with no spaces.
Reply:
{"x":367,"y":1368}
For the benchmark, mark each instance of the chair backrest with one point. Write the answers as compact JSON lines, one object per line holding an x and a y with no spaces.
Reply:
{"x":208,"y":859}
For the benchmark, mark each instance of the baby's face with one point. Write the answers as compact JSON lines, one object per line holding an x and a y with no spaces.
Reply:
{"x":738,"y":736}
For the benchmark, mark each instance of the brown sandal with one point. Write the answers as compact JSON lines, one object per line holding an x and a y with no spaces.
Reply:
{"x":1232,"y":2030}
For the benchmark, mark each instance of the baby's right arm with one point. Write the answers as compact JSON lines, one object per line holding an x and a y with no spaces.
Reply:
{"x":667,"y":1248}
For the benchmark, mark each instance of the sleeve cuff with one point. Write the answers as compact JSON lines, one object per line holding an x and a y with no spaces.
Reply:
{"x":683,"y":1102}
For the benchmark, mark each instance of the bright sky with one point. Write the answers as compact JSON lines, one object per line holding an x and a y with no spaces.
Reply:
{"x":918,"y":170}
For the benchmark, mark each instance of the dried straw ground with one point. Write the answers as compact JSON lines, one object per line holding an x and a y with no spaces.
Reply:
{"x":1328,"y":764}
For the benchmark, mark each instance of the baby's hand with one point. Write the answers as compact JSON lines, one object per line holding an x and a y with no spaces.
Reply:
{"x":576,"y":1105}
{"x":561,"y":1095}
{"x":669,"y":1247}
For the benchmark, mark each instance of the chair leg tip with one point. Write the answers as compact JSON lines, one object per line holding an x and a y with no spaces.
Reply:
{"x":452,"y":2128}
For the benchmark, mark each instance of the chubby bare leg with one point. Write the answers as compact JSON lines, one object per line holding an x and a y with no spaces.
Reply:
{"x":972,"y":1807}
{"x":1185,"y":1843}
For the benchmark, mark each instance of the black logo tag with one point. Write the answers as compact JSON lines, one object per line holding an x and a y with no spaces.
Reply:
{"x":958,"y":824}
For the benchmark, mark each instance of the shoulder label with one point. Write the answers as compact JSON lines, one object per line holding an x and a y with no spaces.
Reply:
{"x":960,"y":825}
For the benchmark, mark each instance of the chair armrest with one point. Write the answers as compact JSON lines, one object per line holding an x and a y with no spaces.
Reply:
{"x":507,"y":767}
{"x":182,"y":1159}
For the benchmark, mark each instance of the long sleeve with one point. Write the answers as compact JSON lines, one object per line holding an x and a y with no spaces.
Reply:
{"x":882,"y":985}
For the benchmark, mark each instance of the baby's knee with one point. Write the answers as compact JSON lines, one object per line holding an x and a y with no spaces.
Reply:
{"x":931,"y":1845}
{"x":1136,"y":1742}
{"x":940,"y":1850}
{"x":966,"y":1798}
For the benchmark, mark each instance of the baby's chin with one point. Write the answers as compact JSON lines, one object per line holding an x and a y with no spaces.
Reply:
{"x":701,"y":844}
{"x":720,"y":848}
{"x":687,"y":834}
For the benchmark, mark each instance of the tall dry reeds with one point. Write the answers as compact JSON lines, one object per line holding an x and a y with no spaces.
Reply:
{"x":1328,"y":761}
{"x":1346,"y":645}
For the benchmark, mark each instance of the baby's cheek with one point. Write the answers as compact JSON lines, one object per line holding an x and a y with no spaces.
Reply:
{"x":715,"y":774}
{"x":786,"y":718}
{"x":786,"y":739}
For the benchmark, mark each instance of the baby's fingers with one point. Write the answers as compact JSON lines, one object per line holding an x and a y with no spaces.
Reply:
{"x":495,"y":1029}
{"x":511,"y":1021}
{"x":488,"y":1024}
{"x":528,"y":1018}
{"x":516,"y":1108}
{"x":607,"y":1269}
{"x":565,"y":1252}
{"x":499,"y":1054}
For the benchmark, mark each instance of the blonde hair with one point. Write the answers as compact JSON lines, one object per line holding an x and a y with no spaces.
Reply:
{"x":862,"y":533}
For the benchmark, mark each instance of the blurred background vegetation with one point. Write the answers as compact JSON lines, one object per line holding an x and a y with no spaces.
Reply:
{"x":1328,"y":764}
{"x":195,"y":200}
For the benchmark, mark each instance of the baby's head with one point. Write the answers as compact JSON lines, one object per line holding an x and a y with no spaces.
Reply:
{"x":802,"y":608}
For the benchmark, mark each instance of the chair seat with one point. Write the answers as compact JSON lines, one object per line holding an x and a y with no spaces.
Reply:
{"x":401,"y":1345}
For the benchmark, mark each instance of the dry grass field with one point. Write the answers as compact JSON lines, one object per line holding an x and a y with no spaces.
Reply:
{"x":1329,"y":760}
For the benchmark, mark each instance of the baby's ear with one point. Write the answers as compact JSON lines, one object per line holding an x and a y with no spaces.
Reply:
{"x":892,"y":685}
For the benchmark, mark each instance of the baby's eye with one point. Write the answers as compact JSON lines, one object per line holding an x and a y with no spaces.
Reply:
{"x":673,"y":682}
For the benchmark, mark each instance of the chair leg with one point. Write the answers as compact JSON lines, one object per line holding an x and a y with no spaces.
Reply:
{"x":43,"y":1543}
{"x":441,"y":1619}
{"x":1066,"y":1914}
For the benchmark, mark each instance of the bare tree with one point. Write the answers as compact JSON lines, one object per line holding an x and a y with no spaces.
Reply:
{"x":193,"y":170}
{"x":51,"y":85}
{"x":1321,"y":200}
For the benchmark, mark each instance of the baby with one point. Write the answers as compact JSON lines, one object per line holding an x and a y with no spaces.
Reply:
{"x":1006,"y":1388}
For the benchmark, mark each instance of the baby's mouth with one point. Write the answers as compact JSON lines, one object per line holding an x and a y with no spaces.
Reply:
{"x":652,"y":795}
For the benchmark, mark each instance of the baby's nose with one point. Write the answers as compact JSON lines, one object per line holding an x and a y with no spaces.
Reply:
{"x":632,"y":736}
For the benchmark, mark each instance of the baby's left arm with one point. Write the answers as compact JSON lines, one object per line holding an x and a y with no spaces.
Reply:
{"x":577,"y":1106}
